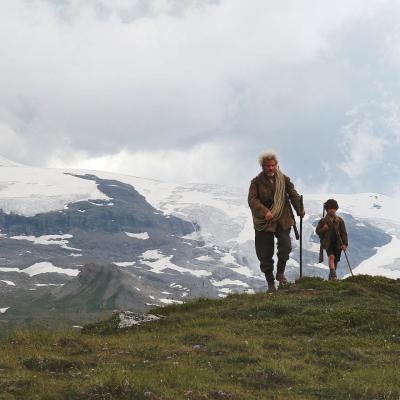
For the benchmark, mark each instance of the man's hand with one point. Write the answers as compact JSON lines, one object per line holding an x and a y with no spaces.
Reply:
{"x":269,"y":216}
{"x":344,"y":247}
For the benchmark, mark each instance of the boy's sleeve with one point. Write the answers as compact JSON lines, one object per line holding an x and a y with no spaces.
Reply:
{"x":257,"y":208}
{"x":343,"y":233}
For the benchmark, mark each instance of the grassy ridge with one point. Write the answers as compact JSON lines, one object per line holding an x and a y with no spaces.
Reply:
{"x":313,"y":340}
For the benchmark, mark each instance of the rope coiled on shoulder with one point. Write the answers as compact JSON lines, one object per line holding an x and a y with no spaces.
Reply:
{"x":279,"y":196}
{"x":278,"y":205}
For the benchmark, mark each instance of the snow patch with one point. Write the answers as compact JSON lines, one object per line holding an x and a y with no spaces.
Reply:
{"x":229,"y":259}
{"x":204,"y":258}
{"x":170,"y":301}
{"x":319,"y":265}
{"x":9,"y":283}
{"x":9,"y":269}
{"x":383,"y":263}
{"x":159,"y":262}
{"x":225,"y":282}
{"x":192,"y":236}
{"x":141,"y":236}
{"x":110,"y":203}
{"x":125,"y":263}
{"x":47,"y":267}
{"x":247,"y":233}
{"x":292,"y":262}
{"x":48,"y":284}
{"x":29,"y":191}
{"x":226,"y":290}
{"x":46,"y":240}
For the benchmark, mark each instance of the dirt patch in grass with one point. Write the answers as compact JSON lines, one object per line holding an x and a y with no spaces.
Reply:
{"x":73,"y":346}
{"x":55,"y":365}
{"x":114,"y":389}
{"x":196,"y":339}
{"x":221,"y":395}
{"x":265,"y":378}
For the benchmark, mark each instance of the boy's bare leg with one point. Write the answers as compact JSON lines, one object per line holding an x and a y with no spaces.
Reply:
{"x":332,"y":269}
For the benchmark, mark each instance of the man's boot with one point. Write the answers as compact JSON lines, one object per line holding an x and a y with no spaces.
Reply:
{"x":271,"y":287}
{"x":332,"y":275}
{"x":281,"y":278}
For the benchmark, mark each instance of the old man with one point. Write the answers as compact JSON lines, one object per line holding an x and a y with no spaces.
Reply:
{"x":269,"y":196}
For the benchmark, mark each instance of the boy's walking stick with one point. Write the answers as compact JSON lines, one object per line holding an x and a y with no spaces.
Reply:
{"x":301,"y":237}
{"x":344,"y":251}
{"x":348,"y":264}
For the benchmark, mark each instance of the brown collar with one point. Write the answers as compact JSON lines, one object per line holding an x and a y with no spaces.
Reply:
{"x":265,"y":179}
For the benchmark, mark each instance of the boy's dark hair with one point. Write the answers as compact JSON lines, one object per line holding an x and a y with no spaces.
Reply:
{"x":331,"y":204}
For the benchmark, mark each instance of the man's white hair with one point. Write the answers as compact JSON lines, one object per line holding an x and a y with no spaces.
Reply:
{"x":267,"y":156}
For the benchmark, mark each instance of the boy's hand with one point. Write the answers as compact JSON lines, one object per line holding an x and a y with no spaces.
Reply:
{"x":269,"y":216}
{"x":344,"y":247}
{"x":325,"y":228}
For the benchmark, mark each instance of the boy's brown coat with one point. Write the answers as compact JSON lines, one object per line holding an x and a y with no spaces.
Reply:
{"x":338,"y":225}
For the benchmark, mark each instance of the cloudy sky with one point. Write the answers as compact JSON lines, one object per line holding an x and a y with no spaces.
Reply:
{"x":194,"y":90}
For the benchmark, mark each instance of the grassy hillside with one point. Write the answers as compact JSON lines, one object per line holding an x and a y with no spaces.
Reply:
{"x":313,"y":340}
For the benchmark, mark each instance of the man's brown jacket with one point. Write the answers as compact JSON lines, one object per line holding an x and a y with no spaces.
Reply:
{"x":261,"y":199}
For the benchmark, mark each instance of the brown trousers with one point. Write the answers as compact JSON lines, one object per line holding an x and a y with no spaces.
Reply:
{"x":265,"y":248}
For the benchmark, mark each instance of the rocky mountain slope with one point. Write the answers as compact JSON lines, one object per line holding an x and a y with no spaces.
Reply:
{"x":155,"y":242}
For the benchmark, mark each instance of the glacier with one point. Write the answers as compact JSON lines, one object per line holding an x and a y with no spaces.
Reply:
{"x":212,"y":255}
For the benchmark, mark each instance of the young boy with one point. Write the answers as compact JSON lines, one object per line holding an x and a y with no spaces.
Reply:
{"x":332,"y":233}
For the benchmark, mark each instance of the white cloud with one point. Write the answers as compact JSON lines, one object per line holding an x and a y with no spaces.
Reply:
{"x":11,"y":144}
{"x":374,"y":129}
{"x":123,"y":84}
{"x":157,"y":80}
{"x":390,"y":114}
{"x":204,"y":163}
{"x":363,"y":149}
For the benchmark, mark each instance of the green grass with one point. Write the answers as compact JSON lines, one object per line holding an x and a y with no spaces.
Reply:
{"x":313,"y":340}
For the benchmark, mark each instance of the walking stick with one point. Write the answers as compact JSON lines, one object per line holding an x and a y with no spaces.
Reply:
{"x":301,"y":236}
{"x":348,"y":263}
{"x":321,"y":249}
{"x":344,"y":251}
{"x":296,"y":232}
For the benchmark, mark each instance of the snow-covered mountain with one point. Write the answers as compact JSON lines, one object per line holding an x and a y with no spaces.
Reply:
{"x":169,"y":241}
